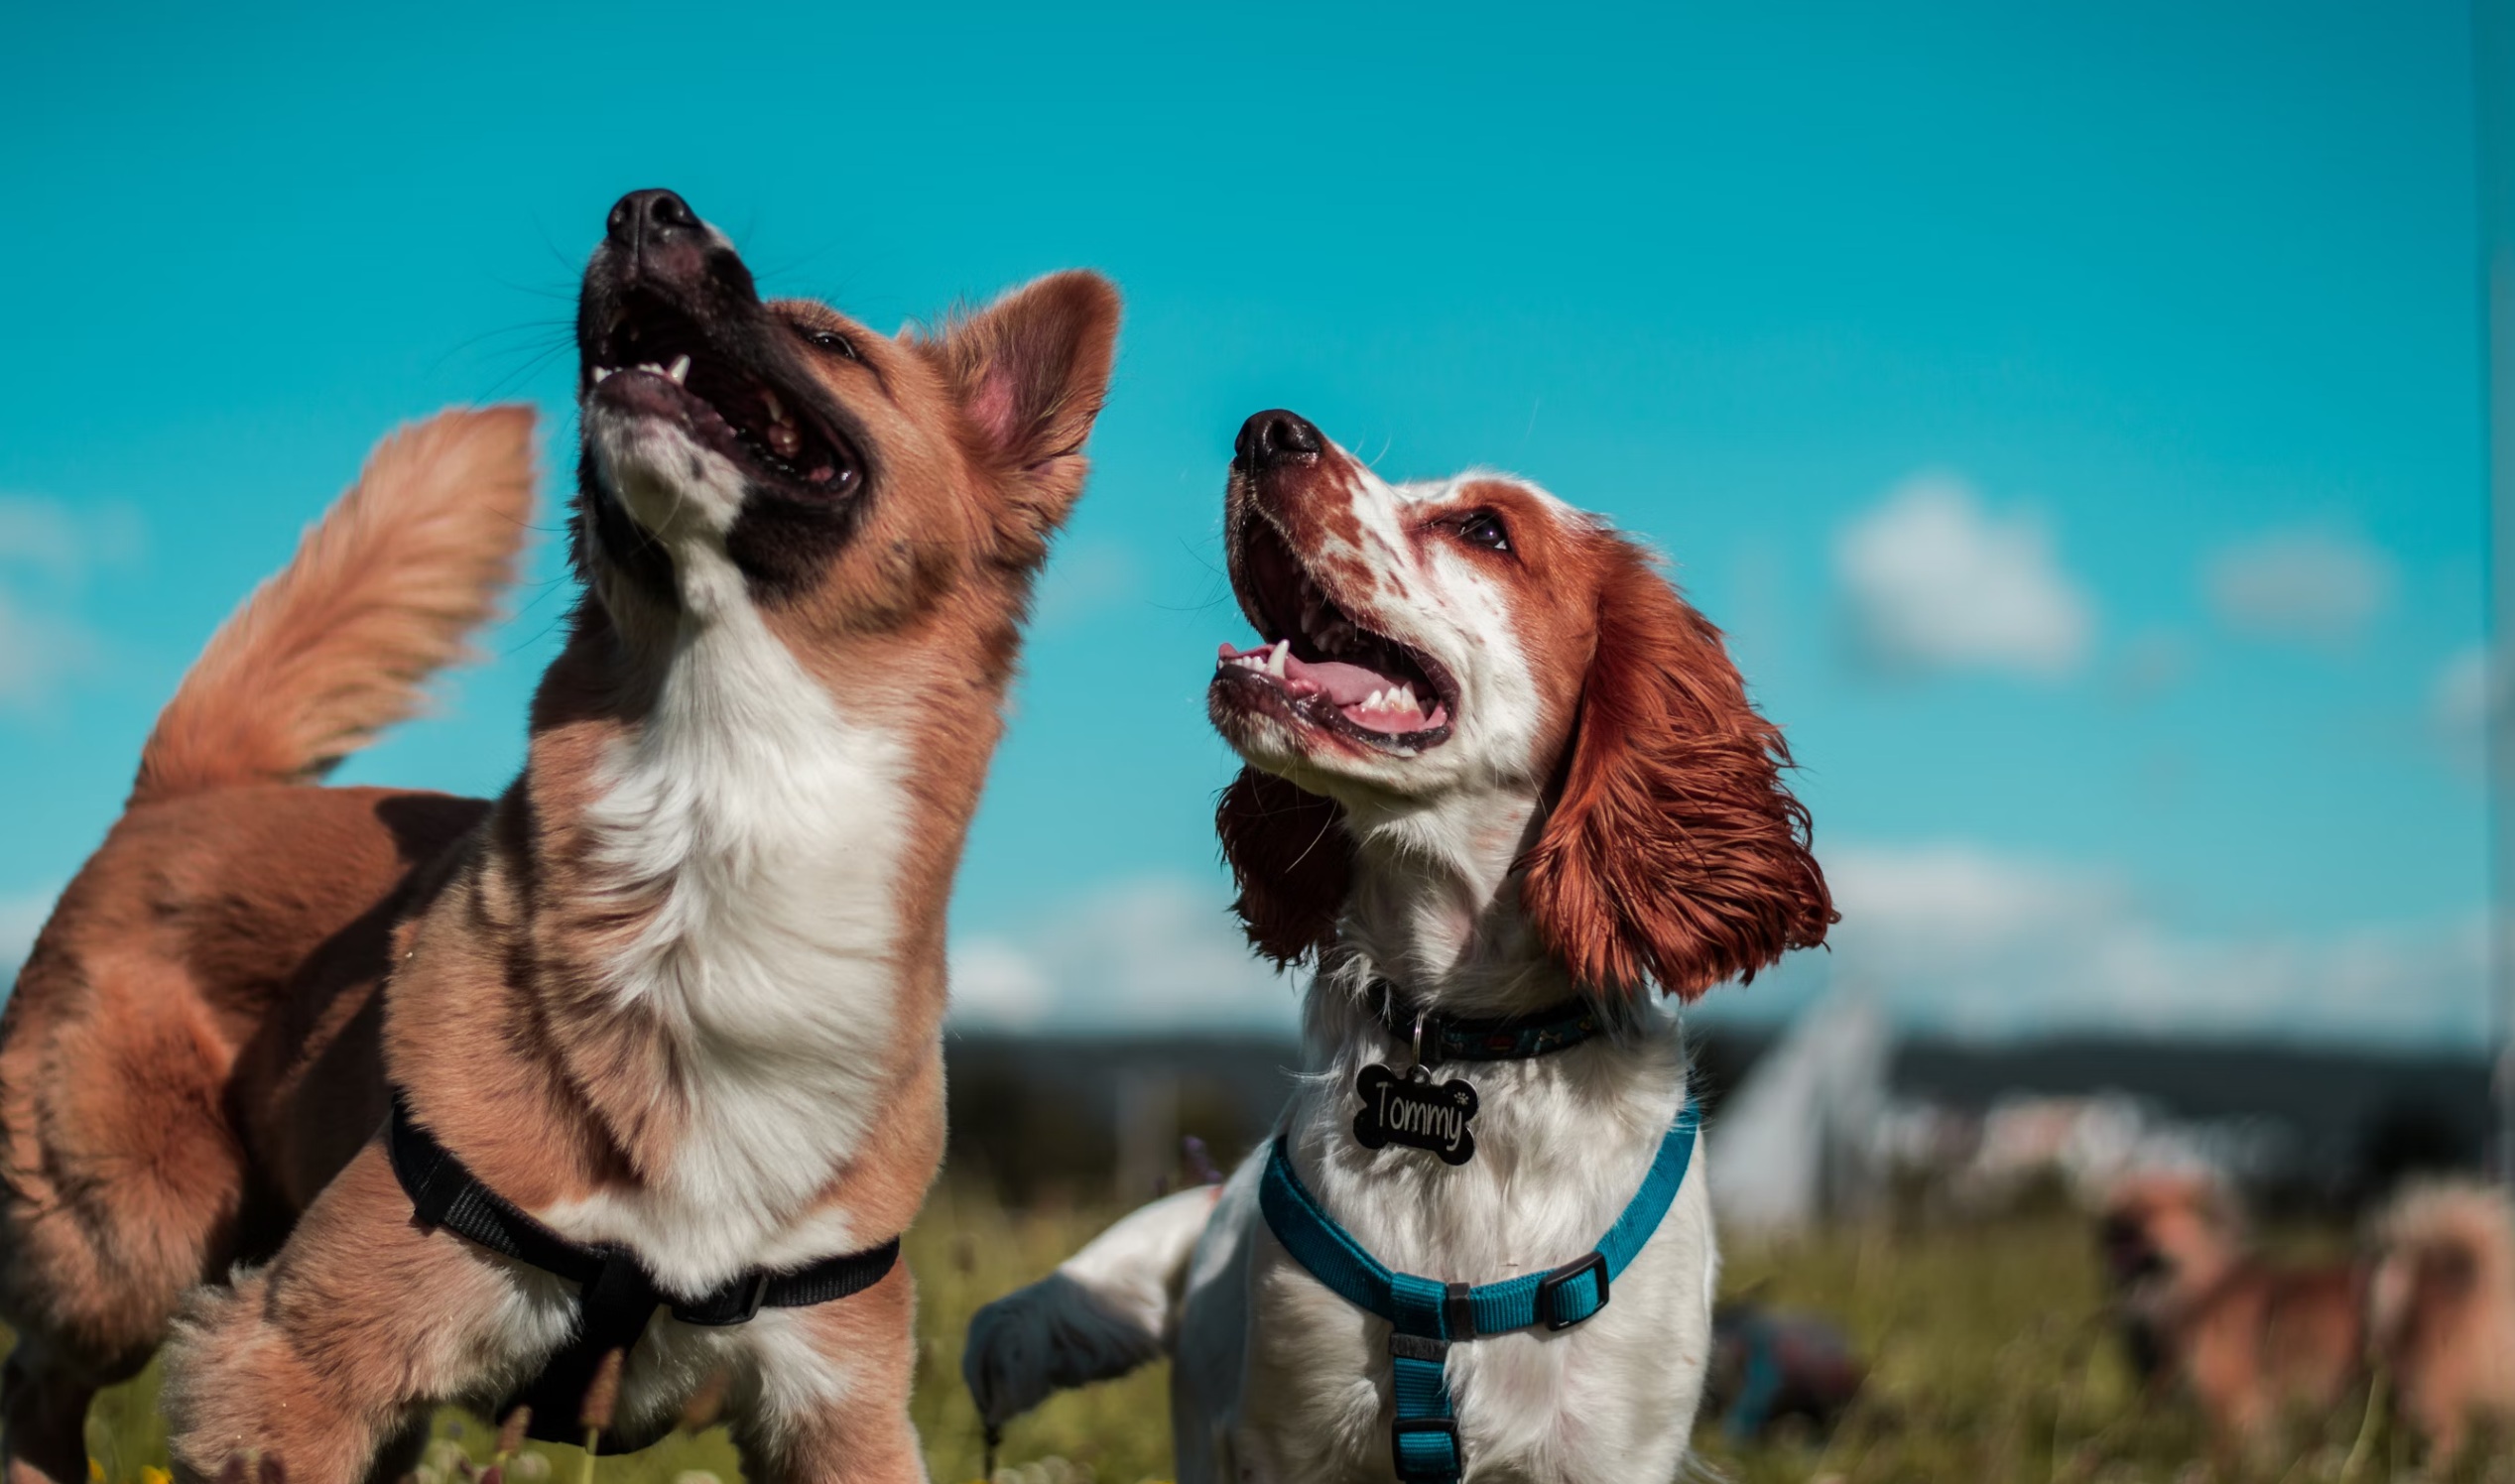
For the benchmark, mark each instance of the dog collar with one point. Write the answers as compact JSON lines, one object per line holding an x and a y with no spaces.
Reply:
{"x":1427,"y":1316}
{"x":617,"y":1296}
{"x":1436,"y":1038}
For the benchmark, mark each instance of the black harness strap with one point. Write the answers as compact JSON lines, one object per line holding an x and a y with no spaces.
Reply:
{"x":618,"y":1296}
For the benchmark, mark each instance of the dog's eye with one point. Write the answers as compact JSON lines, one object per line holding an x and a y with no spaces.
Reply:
{"x":1484,"y":529}
{"x":829,"y":339}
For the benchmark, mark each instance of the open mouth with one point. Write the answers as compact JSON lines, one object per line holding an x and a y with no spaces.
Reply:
{"x":1315,"y":665}
{"x":2127,"y":1253}
{"x":655,"y":359}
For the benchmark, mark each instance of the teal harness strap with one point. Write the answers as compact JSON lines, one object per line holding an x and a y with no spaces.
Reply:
{"x":1428,"y":1316}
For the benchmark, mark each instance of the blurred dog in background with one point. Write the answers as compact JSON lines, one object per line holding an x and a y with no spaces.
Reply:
{"x":2430,"y":1300}
{"x":2251,"y":1339}
{"x":2441,"y":1310}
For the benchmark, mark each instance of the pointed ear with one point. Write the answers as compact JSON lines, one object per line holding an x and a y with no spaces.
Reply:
{"x":1293,"y":861}
{"x":1029,"y":371}
{"x":1674,"y":855}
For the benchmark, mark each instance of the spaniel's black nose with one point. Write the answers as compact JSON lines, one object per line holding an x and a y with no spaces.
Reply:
{"x":1272,"y":438}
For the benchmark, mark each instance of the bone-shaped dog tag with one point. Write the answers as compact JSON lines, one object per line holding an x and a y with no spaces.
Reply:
{"x":1411,"y":1109}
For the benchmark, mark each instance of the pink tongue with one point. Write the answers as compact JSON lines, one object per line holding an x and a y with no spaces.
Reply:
{"x":1346,"y":685}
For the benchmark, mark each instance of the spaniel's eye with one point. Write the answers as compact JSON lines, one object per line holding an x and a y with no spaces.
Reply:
{"x":830,"y":341}
{"x":1484,"y":529}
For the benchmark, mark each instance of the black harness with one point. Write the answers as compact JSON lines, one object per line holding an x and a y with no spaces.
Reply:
{"x":617,"y":1296}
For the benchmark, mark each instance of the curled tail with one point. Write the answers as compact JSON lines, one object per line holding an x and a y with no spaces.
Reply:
{"x":379,"y":596}
{"x":2447,"y":1241}
{"x":1105,"y":1310}
{"x":2440,"y":1308}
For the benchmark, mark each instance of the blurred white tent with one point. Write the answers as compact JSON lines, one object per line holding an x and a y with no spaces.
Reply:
{"x":1798,"y":1140}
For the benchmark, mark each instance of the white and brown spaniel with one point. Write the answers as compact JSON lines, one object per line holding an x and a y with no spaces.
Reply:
{"x":1496,"y":767}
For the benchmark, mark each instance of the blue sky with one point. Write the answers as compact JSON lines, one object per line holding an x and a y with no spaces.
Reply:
{"x":2072,"y":411}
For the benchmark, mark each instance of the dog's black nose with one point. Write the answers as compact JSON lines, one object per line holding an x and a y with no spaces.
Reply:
{"x":1272,"y":438}
{"x":644,"y":216}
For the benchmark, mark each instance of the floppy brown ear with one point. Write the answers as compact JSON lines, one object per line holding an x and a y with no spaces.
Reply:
{"x":1291,"y":860}
{"x":1673,"y":854}
{"x":1031,"y":371}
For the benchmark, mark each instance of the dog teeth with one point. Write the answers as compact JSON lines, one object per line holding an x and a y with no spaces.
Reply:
{"x":1277,"y":658}
{"x":777,"y":408}
{"x":784,"y":439}
{"x":679,"y":371}
{"x":1395,"y":701}
{"x":601,"y":375}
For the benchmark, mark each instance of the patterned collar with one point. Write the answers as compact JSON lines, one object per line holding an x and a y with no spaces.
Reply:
{"x":1436,"y":1038}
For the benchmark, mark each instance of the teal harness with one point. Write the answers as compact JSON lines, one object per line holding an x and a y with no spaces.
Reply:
{"x":1429,"y":1318}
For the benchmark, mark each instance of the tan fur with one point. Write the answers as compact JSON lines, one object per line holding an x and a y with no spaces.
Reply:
{"x":2254,"y":1341}
{"x":2441,"y":1309}
{"x":332,"y":651}
{"x":194,"y":1070}
{"x":190,"y":1050}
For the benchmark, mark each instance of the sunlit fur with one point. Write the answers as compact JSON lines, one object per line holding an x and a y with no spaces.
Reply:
{"x":1604,"y":776}
{"x":767,"y":953}
{"x":191,"y":1044}
{"x":679,"y":989}
{"x":382,"y":594}
{"x":1601,"y":740}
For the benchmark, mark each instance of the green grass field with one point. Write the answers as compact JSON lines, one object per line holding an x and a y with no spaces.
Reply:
{"x":1990,"y":1363}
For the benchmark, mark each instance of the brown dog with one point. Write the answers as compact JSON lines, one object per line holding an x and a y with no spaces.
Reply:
{"x":2441,"y":1309}
{"x":674,"y":998}
{"x":2253,"y":1340}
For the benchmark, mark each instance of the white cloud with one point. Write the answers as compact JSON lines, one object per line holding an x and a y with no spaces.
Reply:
{"x":47,"y":551}
{"x":1150,"y":953}
{"x":47,"y":535}
{"x":2311,"y":585}
{"x":1935,"y":580}
{"x":1965,"y":939}
{"x":39,"y":533}
{"x":1953,"y":938}
{"x":38,"y":650}
{"x":1959,"y":899}
{"x":998,"y":985}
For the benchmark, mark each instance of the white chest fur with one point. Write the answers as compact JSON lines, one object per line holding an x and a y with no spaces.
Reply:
{"x":766,"y":826}
{"x":1563,"y":1143}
